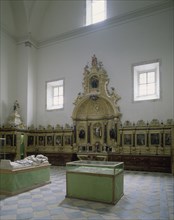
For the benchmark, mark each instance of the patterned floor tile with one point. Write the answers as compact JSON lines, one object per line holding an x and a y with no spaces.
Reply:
{"x":147,"y":196}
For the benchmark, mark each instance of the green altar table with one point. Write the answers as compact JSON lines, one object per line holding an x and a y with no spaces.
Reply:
{"x":101,"y":181}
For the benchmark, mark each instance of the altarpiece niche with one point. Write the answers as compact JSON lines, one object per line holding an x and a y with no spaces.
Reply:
{"x":96,"y":114}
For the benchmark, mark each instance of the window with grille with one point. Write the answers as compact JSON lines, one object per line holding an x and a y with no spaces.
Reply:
{"x":55,"y":95}
{"x":146,"y":81}
{"x":95,"y":11}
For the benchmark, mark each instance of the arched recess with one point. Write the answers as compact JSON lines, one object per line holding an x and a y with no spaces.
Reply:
{"x":98,"y":108}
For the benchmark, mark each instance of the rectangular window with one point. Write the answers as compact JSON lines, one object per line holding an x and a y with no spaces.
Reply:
{"x":55,"y":95}
{"x":146,"y":81}
{"x":95,"y":11}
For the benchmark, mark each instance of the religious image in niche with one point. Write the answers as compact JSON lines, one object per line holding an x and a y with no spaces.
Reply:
{"x":9,"y":140}
{"x":94,"y":82}
{"x":82,"y":134}
{"x":112,"y":133}
{"x":97,"y":131}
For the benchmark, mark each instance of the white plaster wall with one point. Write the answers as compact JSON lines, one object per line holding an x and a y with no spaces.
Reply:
{"x":32,"y":84}
{"x":18,"y":78}
{"x":143,"y":39}
{"x":22,"y":80}
{"x":64,"y":16}
{"x":8,"y":66}
{"x":119,"y":7}
{"x":26,"y":83}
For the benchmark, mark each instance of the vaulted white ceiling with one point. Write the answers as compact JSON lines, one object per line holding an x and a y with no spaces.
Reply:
{"x":27,"y":15}
{"x":43,"y":19}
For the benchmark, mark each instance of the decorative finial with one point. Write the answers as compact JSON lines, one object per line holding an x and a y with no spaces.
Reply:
{"x":100,"y":65}
{"x":86,"y":69}
{"x":94,"y":61}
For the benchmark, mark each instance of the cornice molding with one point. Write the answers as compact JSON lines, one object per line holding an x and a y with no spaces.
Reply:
{"x":85,"y":30}
{"x":28,"y":40}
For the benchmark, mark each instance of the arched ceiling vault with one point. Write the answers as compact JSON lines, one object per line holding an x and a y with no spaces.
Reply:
{"x":27,"y":16}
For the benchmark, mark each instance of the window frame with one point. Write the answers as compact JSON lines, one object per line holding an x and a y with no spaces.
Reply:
{"x":146,"y":67}
{"x":49,"y":87}
{"x":90,"y":14}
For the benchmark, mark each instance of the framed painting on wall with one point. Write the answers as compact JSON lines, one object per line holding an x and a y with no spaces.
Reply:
{"x":49,"y":140}
{"x":155,"y":138}
{"x":67,"y":140}
{"x":30,"y":141}
{"x":140,"y":139}
{"x":167,"y":139}
{"x":9,"y":139}
{"x":127,"y":138}
{"x":41,"y":140}
{"x":58,"y":140}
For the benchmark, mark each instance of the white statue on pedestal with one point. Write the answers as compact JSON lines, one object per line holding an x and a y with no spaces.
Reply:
{"x":14,"y":119}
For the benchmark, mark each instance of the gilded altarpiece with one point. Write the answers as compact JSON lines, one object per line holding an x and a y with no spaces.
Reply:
{"x":96,"y":114}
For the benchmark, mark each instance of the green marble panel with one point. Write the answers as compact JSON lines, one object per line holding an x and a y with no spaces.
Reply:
{"x":103,"y":188}
{"x":17,"y":181}
{"x":118,"y":186}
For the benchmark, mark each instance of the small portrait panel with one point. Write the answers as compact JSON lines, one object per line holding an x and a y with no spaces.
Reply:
{"x":49,"y":140}
{"x":140,"y":139}
{"x":155,"y":138}
{"x":2,"y":141}
{"x":83,"y":148}
{"x":41,"y":140}
{"x":90,"y":148}
{"x":167,"y":139}
{"x":127,"y":139}
{"x":30,"y":141}
{"x":9,"y":139}
{"x":58,"y":140}
{"x":67,"y":140}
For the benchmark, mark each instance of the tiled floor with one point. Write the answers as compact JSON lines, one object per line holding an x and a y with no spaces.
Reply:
{"x":147,"y":196}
